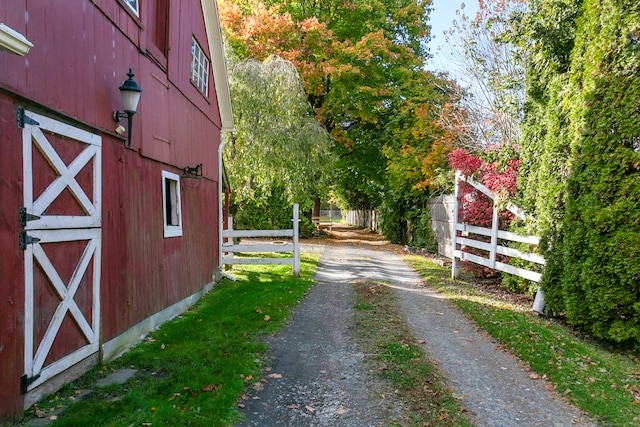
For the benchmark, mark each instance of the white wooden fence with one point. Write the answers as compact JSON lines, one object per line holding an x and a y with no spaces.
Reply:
{"x":230,"y":249}
{"x":363,"y":218}
{"x":492,"y":247}
{"x":441,"y":212}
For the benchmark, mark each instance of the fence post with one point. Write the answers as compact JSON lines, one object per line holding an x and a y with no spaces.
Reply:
{"x":494,"y":236}
{"x":296,"y":246}
{"x":455,"y":268}
{"x":230,"y":228}
{"x":538,"y":302}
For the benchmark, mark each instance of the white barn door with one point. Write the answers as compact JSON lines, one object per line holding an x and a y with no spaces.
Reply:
{"x":61,"y":239}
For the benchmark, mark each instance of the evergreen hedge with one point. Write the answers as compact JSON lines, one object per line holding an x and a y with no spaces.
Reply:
{"x":583,"y":156}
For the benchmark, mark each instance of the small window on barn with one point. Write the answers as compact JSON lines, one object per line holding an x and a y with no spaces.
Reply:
{"x":134,"y":5}
{"x":199,"y":68}
{"x":171,"y":204}
{"x":161,"y":31}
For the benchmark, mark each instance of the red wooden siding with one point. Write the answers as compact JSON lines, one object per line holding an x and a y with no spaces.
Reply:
{"x":82,"y":51}
{"x":80,"y":58}
{"x":152,"y":272}
{"x":11,"y":262}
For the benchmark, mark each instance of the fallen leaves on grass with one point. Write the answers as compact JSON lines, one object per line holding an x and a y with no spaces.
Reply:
{"x":398,"y":357}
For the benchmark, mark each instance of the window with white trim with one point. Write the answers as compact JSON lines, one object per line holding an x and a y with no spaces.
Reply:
{"x":199,"y":68}
{"x":134,"y":5}
{"x":171,"y":210}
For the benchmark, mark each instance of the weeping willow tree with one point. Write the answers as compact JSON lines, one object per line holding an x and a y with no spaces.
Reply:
{"x":279,"y":154}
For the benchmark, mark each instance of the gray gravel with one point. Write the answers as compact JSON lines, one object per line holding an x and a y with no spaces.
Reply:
{"x":316,"y":374}
{"x":324,"y":380}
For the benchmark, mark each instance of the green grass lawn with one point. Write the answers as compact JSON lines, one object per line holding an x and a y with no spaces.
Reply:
{"x":194,"y":369}
{"x":602,"y":383}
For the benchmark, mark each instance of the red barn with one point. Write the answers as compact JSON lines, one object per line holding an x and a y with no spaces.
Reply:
{"x":101,"y":241}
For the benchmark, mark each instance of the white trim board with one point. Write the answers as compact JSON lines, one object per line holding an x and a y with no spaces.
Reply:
{"x":119,"y":345}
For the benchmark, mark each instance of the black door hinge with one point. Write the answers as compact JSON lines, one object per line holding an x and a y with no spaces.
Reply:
{"x":26,"y":240}
{"x":22,"y":119}
{"x":25,"y":381}
{"x":24,"y":217}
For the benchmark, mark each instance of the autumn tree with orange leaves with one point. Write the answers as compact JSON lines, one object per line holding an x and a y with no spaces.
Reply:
{"x":362,"y":64}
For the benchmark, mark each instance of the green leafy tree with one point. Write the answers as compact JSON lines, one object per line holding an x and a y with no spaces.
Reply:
{"x":357,"y":60}
{"x":362,"y":63}
{"x":421,"y":136}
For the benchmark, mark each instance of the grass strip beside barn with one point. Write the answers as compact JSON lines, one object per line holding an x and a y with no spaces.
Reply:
{"x":192,"y":370}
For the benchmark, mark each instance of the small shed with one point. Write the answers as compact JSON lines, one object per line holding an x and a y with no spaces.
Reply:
{"x":107,"y":229}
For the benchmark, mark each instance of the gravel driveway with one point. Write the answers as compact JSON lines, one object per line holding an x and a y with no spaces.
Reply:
{"x":316,"y":374}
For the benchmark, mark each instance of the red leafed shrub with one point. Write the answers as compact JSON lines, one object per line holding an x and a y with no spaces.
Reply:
{"x":464,"y":162}
{"x":475,"y":208}
{"x":499,"y":181}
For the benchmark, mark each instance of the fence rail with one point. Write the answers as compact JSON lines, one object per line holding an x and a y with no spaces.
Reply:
{"x":231,"y":249}
{"x":492,"y":247}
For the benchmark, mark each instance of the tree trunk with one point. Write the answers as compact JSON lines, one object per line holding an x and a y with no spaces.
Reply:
{"x":316,"y":208}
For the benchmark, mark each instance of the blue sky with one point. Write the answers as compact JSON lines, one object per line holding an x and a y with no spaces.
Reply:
{"x":441,"y":18}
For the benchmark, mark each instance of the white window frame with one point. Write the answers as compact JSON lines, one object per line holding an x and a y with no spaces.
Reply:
{"x":134,"y":5}
{"x":199,"y":68}
{"x":171,"y":200}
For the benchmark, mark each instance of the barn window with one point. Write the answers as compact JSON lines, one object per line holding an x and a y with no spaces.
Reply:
{"x":133,"y":5}
{"x":199,"y":68}
{"x":161,"y":31}
{"x":171,"y":204}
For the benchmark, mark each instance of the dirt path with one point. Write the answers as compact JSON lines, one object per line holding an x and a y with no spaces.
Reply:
{"x":317,"y":377}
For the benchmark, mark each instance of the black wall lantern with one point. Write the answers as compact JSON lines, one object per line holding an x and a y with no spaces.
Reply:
{"x":130,"y":93}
